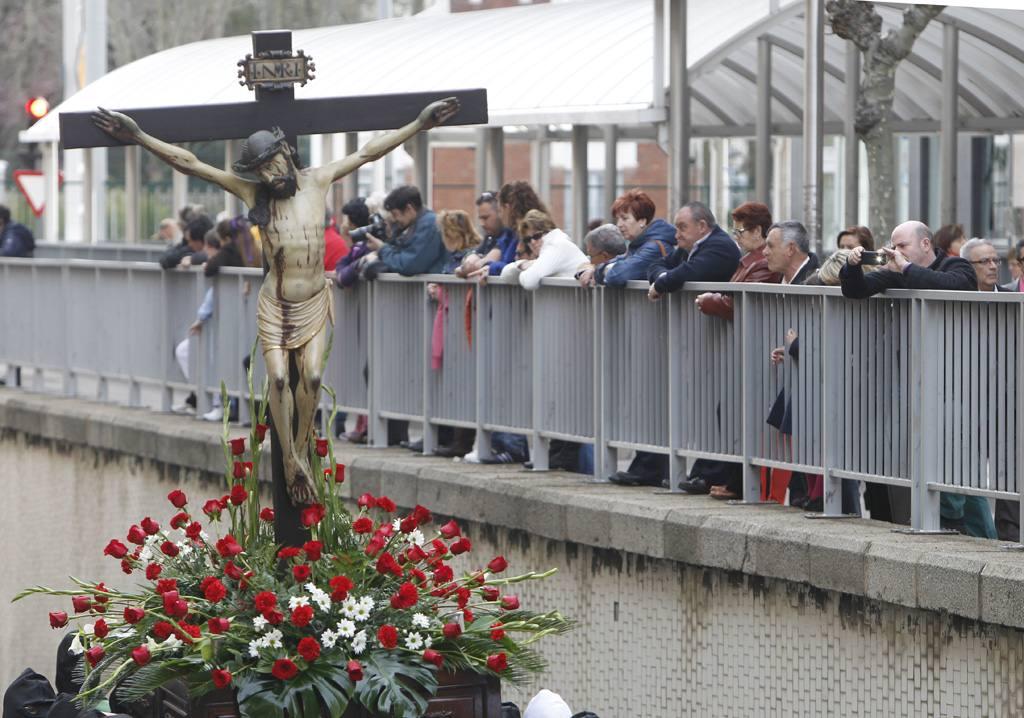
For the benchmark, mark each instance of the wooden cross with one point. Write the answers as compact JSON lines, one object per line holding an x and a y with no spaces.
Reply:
{"x":273,"y":72}
{"x":275,"y":107}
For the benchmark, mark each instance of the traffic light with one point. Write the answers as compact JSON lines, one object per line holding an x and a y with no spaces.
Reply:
{"x":36,"y":109}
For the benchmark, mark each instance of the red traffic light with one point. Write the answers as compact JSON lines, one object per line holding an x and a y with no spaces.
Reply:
{"x":37,"y":107}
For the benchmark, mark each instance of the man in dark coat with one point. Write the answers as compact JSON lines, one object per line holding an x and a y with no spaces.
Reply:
{"x":16,"y":240}
{"x":705,"y":253}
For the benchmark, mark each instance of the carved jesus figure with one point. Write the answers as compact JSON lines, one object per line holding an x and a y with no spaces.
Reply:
{"x":294,"y":307}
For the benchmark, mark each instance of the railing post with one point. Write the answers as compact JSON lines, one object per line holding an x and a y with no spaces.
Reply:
{"x":429,"y":430}
{"x":197,"y":349}
{"x":1018,"y":444}
{"x":605,"y":457}
{"x":676,"y":464}
{"x":70,"y":387}
{"x":828,"y":361}
{"x":747,"y":325}
{"x":483,"y":368}
{"x":376,"y":427}
{"x":134,"y":389}
{"x":538,"y":444}
{"x":101,"y":380}
{"x":166,"y":392}
{"x":925,"y":408}
{"x":241,"y":322}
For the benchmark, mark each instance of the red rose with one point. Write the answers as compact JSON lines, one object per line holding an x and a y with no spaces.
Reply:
{"x":355,"y":671}
{"x":387,"y":564}
{"x":232,"y":571}
{"x":432,"y":656}
{"x":463,"y":593}
{"x":221,"y":677}
{"x":362,"y":525}
{"x":327,"y":475}
{"x":101,"y":629}
{"x":174,"y":606}
{"x":387,"y":636}
{"x":141,"y":655}
{"x":176,"y":497}
{"x":169,"y":548}
{"x":422,"y":515}
{"x":497,"y":564}
{"x":302,"y":615}
{"x":116,"y":549}
{"x":452,"y":631}
{"x":510,"y":603}
{"x":450,"y":530}
{"x":162,"y":630}
{"x":341,"y":585}
{"x":265,"y":601}
{"x":214,"y":590}
{"x":194,"y":530}
{"x":237,"y":446}
{"x":94,"y":655}
{"x":100,"y":595}
{"x":408,"y":525}
{"x":212,"y":508}
{"x":366,"y":501}
{"x":261,"y":432}
{"x":149,"y":526}
{"x":179,"y":519}
{"x":218,"y":625}
{"x":153,"y":570}
{"x":284,"y":669}
{"x":313,"y":515}
{"x":443,"y":574}
{"x":273,"y":617}
{"x":406,"y":597}
{"x":58,"y":619}
{"x":497,"y":662}
{"x":238,"y":494}
{"x":237,"y":470}
{"x":386,"y":504}
{"x":288,"y":552}
{"x":309,"y":649}
{"x":81,"y":603}
{"x":136,"y":535}
{"x":166,"y":584}
{"x":490,"y":593}
{"x":497,"y":632}
{"x":313,"y":549}
{"x":228,"y":546}
{"x":301,"y":572}
{"x":415,"y":554}
{"x":461,"y":546}
{"x":321,"y":447}
{"x":133,"y":614}
{"x":339,"y":473}
{"x":267,"y":514}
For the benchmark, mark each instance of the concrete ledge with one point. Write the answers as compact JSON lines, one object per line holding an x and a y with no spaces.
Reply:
{"x":968,"y":577}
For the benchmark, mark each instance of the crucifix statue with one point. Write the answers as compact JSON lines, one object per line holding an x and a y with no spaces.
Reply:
{"x":287,"y":202}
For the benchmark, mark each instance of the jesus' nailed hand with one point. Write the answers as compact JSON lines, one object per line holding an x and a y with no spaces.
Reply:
{"x":295,"y":300}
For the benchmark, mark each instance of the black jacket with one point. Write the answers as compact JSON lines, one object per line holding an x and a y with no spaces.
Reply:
{"x":713,"y":260}
{"x":951,"y":273}
{"x":173,"y":256}
{"x":807,"y":271}
{"x":227,"y":256}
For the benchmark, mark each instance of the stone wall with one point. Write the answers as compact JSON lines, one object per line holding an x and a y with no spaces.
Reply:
{"x":753,"y":623}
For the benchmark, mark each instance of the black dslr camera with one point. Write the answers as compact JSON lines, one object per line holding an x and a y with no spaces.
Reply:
{"x":376,"y":228}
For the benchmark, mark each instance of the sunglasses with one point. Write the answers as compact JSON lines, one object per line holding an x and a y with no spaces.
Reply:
{"x":487,"y":197}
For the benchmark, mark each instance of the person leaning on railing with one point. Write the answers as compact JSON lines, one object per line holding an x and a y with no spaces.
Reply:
{"x":704,"y":253}
{"x":914,"y":263}
{"x":602,"y":244}
{"x":649,"y":240}
{"x":556,"y":255}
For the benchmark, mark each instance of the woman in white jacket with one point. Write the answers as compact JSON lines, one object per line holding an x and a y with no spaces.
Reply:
{"x":556,"y":255}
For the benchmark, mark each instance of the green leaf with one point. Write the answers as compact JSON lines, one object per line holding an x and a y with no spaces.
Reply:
{"x":393,"y":687}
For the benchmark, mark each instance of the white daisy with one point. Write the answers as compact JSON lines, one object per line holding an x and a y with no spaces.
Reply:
{"x":359,"y":643}
{"x":420,"y":621}
{"x":361,"y":613}
{"x":328,"y":638}
{"x":397,"y":524}
{"x":348,"y":607}
{"x":417,"y":537}
{"x":273,"y":638}
{"x":296,"y":601}
{"x":171,"y":642}
{"x":428,"y":641}
{"x":367,"y":602}
{"x":346,"y":628}
{"x":414,"y":641}
{"x":254,"y":648}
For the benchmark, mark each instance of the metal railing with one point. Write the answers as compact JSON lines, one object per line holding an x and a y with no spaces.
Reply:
{"x":108,"y":251}
{"x":916,"y":389}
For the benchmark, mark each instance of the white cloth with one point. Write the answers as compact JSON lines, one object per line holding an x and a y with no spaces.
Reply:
{"x":547,"y":705}
{"x":181,"y":354}
{"x":559,"y":257}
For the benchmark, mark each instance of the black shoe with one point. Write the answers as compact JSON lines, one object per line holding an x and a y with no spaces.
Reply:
{"x":799,"y":502}
{"x":528,"y":465}
{"x":451,"y":451}
{"x":817,"y":504}
{"x":626,"y":478}
{"x":416,"y":446}
{"x":695,"y":486}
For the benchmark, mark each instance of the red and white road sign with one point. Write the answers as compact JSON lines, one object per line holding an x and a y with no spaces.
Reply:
{"x":32,"y":184}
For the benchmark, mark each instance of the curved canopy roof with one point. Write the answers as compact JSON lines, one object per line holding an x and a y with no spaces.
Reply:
{"x":588,"y":61}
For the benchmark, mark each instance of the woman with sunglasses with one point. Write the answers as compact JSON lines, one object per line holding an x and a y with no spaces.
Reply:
{"x":555,"y":254}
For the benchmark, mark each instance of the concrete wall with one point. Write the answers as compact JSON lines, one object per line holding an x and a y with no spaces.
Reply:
{"x":711,"y":611}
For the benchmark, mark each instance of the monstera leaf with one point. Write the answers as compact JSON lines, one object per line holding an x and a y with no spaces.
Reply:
{"x":322,"y":689}
{"x":393,"y":688}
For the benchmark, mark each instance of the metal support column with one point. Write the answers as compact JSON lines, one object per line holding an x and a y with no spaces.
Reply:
{"x":851,"y":163}
{"x":327,"y":155}
{"x":948,"y":123}
{"x":813,"y":129}
{"x":51,"y":174}
{"x":763,"y":142}
{"x":132,"y":183}
{"x":350,"y":183}
{"x":540,"y":163}
{"x":480,"y":162}
{"x":179,"y":191}
{"x":421,"y":164}
{"x":232,"y":205}
{"x":88,"y":189}
{"x":611,"y":171}
{"x":679,"y":108}
{"x":580,"y":210}
{"x":494,"y":152}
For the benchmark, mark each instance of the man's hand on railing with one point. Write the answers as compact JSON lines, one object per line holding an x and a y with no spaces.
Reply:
{"x":196,"y":328}
{"x":777,"y":355}
{"x":432,"y":290}
{"x":586,"y":276}
{"x":653,"y":294}
{"x":479,"y":275}
{"x":701,"y":298}
{"x":247,"y":286}
{"x":185,"y":263}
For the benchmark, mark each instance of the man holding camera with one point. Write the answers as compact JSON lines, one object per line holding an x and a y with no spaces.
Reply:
{"x":910,"y":263}
{"x":417,"y":247}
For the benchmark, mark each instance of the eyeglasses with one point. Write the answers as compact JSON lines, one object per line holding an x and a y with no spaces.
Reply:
{"x":737,"y":231}
{"x":535,"y":237}
{"x":987,"y":260}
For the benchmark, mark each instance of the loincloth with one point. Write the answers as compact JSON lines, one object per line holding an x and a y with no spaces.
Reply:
{"x":290,"y":325}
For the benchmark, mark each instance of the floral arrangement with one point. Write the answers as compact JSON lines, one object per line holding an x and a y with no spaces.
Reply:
{"x":367,"y":611}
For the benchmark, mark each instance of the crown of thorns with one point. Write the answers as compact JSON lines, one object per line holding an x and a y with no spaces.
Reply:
{"x":259,"y":148}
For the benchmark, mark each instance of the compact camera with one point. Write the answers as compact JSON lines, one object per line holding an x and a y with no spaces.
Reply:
{"x":874,"y":259}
